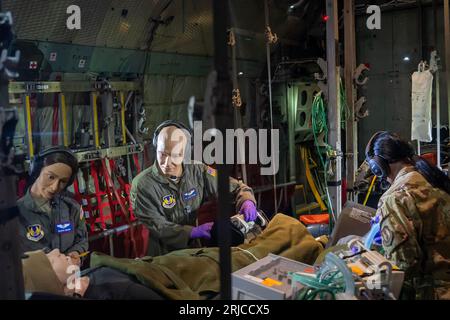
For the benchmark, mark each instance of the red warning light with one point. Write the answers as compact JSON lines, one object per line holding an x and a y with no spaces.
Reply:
{"x":325,"y":18}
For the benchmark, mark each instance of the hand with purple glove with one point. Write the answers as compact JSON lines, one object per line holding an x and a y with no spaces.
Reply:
{"x":202,"y":231}
{"x":377,"y":240}
{"x":248,"y":209}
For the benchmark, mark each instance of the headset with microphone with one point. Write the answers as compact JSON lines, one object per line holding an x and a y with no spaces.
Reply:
{"x":378,"y":163}
{"x":171,"y":123}
{"x":37,"y":163}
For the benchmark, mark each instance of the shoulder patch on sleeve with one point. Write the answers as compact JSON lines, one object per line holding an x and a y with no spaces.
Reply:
{"x":211,"y":171}
{"x":35,"y":232}
{"x":387,"y":236}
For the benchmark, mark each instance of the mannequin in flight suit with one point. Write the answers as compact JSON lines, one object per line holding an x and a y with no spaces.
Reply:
{"x":166,"y":195}
{"x":50,"y":220}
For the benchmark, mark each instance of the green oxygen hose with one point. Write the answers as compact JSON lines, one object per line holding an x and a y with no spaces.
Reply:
{"x":319,"y":126}
{"x":333,"y":277}
{"x":311,"y":294}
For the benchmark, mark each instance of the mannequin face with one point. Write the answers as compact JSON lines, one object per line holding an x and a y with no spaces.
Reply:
{"x":51,"y":181}
{"x":60,"y":264}
{"x":170,"y":150}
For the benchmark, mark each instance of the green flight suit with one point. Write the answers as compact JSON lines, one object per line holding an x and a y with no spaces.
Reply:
{"x":168,"y":209}
{"x":59,"y":226}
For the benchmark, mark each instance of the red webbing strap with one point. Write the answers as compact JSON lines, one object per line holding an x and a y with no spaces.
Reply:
{"x":80,"y":197}
{"x":125,"y":188}
{"x":136,"y":163}
{"x":109,"y":191}
{"x":76,"y":189}
{"x":110,"y":185}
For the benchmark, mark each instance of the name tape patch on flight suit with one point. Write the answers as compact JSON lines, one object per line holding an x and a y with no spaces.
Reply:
{"x":35,"y":232}
{"x":190,"y":194}
{"x":168,"y":201}
{"x":211,"y":171}
{"x":64,"y":227}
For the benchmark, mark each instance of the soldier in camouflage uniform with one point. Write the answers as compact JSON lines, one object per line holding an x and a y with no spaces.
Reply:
{"x":414,"y":216}
{"x":166,"y":195}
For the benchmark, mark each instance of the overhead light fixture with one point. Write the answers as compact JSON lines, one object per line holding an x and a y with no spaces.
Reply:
{"x":240,"y":73}
{"x":405,"y":58}
{"x":294,"y":6}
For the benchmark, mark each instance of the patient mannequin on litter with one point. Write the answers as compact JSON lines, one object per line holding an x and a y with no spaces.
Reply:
{"x":54,"y":273}
{"x":187,"y":274}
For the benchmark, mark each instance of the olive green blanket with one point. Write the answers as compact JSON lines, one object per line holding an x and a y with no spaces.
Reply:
{"x":195,"y":273}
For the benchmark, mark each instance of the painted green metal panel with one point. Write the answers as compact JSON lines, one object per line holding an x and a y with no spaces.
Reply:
{"x":69,"y":58}
{"x":117,"y":60}
{"x":79,"y":59}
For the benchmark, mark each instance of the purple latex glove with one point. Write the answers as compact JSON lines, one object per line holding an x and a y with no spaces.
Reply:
{"x":377,"y":240}
{"x":248,"y":209}
{"x":202,"y":231}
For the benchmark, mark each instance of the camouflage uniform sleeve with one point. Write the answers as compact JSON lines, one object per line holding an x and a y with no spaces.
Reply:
{"x":363,"y":176}
{"x":145,"y":207}
{"x":240,"y":190}
{"x":398,"y":232}
{"x":81,"y":243}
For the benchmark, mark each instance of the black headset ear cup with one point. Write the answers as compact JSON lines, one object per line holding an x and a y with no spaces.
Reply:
{"x":379,"y":166}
